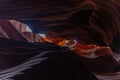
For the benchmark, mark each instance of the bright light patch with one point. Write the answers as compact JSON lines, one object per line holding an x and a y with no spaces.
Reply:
{"x":42,"y":35}
{"x":28,"y":29}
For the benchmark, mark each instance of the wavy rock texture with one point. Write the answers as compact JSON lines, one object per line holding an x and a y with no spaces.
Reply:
{"x":90,"y":21}
{"x":87,"y":21}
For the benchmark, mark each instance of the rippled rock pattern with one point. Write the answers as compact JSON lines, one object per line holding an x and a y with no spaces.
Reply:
{"x":89,"y":22}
